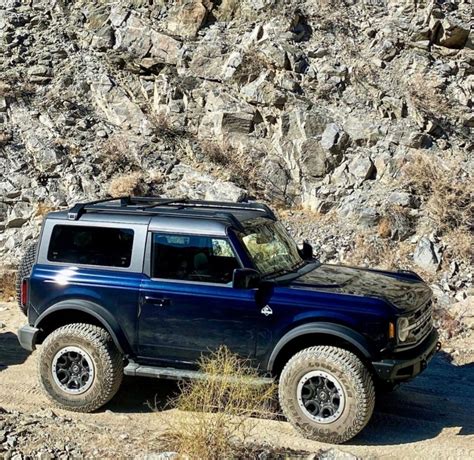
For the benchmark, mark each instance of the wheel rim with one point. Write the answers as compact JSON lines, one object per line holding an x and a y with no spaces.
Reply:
{"x":320,"y":396}
{"x":73,"y":370}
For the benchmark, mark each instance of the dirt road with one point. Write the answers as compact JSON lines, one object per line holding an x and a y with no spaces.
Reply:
{"x":429,"y":418}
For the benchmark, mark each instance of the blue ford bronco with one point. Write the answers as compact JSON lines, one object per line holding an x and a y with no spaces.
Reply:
{"x":144,"y":286}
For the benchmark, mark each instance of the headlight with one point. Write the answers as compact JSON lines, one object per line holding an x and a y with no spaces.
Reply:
{"x":402,"y":329}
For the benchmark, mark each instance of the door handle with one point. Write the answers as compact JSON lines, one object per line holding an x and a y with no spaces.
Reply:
{"x":158,"y":301}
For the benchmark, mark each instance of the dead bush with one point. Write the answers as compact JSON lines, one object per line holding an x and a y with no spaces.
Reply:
{"x":446,"y":322}
{"x":44,"y":208}
{"x":396,"y":223}
{"x":115,"y":156}
{"x":371,"y":251}
{"x":252,"y":65}
{"x":126,"y":184}
{"x":224,"y":405}
{"x":7,"y":285}
{"x":459,"y":247}
{"x":446,"y":190}
{"x":239,"y":166}
{"x":5,"y":138}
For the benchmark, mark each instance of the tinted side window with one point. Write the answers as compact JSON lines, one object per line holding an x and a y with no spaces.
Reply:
{"x":110,"y":247}
{"x":193,"y":258}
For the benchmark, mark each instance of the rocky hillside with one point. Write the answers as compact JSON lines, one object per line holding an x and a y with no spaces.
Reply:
{"x":354,"y":118}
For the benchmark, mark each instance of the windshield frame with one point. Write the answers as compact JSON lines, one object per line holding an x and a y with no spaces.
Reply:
{"x":276,"y":228}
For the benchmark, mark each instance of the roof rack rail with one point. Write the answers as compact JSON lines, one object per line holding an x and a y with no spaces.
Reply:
{"x":155,"y":205}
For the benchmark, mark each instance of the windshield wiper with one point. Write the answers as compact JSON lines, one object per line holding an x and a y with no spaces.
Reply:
{"x":286,"y":271}
{"x":293,"y":274}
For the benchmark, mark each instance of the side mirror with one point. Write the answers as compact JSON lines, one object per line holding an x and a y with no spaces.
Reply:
{"x":245,"y":278}
{"x":306,"y":252}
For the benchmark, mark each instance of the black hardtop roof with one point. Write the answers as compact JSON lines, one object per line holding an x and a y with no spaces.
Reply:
{"x":232,"y":213}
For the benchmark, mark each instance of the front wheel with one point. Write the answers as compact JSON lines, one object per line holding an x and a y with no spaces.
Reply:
{"x":327,"y":394}
{"x":80,"y":369}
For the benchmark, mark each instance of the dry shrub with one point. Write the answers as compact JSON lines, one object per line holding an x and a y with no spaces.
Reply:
{"x":445,"y":321}
{"x":459,"y":246}
{"x":425,"y":94}
{"x":240,"y":166}
{"x":126,"y":184}
{"x":5,"y":138}
{"x":7,"y":285}
{"x":114,"y":154}
{"x":224,"y":405}
{"x":384,"y":227}
{"x":446,"y":189}
{"x":43,"y":208}
{"x":396,"y":223}
{"x":253,"y":64}
{"x":375,"y":252}
{"x":372,"y":251}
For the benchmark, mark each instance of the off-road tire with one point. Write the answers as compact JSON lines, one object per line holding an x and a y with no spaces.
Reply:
{"x":107,"y":360}
{"x":24,"y":270}
{"x":355,"y":380}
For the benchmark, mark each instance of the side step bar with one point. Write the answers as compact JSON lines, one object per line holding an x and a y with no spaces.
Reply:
{"x":137,"y":370}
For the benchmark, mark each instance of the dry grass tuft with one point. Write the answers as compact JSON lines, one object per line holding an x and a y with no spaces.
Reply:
{"x":7,"y":285}
{"x":370,"y":252}
{"x":396,"y":223}
{"x":126,"y":184}
{"x":43,"y":208}
{"x":447,"y":191}
{"x":5,"y":138}
{"x":239,"y":166}
{"x":224,"y":407}
{"x":459,"y":247}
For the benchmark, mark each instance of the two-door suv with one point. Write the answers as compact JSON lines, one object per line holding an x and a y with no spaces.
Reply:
{"x":145,"y":286}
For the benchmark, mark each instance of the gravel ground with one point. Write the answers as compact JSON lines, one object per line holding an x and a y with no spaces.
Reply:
{"x":428,"y":418}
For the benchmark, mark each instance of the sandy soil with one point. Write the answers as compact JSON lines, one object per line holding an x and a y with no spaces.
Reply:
{"x":431,"y":417}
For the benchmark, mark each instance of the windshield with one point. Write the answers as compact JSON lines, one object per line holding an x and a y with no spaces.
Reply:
{"x":272,"y":250}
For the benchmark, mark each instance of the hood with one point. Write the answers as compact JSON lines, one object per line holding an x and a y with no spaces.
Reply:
{"x":404,"y":290}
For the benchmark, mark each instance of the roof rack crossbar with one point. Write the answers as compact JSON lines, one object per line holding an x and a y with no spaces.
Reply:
{"x":152,"y":205}
{"x":78,"y":209}
{"x":220,"y":216}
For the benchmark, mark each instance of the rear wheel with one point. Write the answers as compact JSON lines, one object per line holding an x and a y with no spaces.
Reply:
{"x":80,"y":369}
{"x":327,"y":394}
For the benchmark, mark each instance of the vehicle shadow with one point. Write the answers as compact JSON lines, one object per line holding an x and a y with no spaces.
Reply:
{"x":140,"y":394}
{"x":440,"y":397}
{"x":11,"y":353}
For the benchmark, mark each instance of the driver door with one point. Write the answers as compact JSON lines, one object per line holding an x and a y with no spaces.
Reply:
{"x":188,"y":305}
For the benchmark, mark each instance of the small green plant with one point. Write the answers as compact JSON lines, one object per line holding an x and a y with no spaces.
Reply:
{"x":219,"y":410}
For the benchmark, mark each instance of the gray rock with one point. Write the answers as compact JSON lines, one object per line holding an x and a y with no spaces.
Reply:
{"x":334,"y":138}
{"x":362,"y":168}
{"x":452,"y":35}
{"x":188,"y":17}
{"x":427,"y":255}
{"x":164,"y":49}
{"x":19,"y":214}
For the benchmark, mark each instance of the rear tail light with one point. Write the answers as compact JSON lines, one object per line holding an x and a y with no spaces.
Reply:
{"x":24,"y":292}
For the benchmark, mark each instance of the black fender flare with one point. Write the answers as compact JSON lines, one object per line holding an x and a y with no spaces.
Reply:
{"x":98,"y":312}
{"x":337,"y":330}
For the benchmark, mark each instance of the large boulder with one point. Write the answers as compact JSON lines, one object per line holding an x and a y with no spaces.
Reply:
{"x":451,"y":34}
{"x":19,"y":214}
{"x":427,"y":255}
{"x":188,"y":17}
{"x":117,"y":107}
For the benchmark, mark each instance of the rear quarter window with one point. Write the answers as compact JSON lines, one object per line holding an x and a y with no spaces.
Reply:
{"x":82,"y":245}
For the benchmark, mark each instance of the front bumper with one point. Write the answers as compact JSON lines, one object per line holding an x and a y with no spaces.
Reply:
{"x":27,"y":337}
{"x":408,"y":364}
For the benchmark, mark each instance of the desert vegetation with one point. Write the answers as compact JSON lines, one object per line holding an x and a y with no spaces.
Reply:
{"x":219,"y":411}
